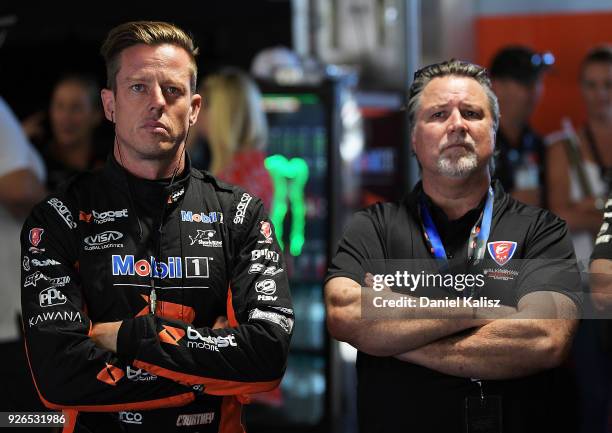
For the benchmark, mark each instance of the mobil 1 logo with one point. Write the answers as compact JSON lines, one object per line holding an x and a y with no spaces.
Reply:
{"x":197,"y":267}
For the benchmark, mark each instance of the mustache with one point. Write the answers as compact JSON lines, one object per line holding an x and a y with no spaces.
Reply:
{"x":465,"y":144}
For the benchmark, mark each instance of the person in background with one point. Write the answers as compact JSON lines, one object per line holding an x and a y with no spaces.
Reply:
{"x":578,"y":178}
{"x":233,"y":122}
{"x":578,"y":165}
{"x":22,"y":175}
{"x":516,"y":76}
{"x":74,"y":116}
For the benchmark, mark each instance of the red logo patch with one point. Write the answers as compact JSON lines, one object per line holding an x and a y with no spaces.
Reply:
{"x":36,"y":235}
{"x":501,"y":251}
{"x":266,"y":229}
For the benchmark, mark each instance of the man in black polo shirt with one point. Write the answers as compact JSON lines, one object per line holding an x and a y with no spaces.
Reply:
{"x":463,"y":370}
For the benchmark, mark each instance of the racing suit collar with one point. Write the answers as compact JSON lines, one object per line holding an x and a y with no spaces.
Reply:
{"x":149,"y":190}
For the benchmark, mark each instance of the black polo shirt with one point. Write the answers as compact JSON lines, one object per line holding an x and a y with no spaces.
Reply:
{"x":396,"y":396}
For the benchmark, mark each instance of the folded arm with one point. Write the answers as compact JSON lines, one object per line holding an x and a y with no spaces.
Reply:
{"x":392,"y":331}
{"x":537,"y":337}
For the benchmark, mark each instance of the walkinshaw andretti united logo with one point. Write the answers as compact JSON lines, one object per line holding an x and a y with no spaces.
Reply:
{"x":501,"y":251}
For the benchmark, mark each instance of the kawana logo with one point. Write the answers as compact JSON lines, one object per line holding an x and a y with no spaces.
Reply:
{"x":501,"y":251}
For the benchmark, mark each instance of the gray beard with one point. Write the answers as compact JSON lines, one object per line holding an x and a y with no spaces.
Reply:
{"x":459,"y":168}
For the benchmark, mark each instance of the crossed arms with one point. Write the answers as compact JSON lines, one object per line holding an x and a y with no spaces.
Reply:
{"x":467,"y":342}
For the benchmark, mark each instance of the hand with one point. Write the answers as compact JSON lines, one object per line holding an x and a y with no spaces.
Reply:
{"x":587,"y":204}
{"x":105,"y":335}
{"x":33,"y":125}
{"x":221,"y":322}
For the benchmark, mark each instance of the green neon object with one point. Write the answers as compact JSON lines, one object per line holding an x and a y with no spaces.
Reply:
{"x":289,"y":178}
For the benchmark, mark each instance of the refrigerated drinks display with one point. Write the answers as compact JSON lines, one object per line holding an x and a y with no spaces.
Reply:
{"x":314,"y":138}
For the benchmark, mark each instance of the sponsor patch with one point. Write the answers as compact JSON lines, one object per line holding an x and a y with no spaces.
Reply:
{"x":205,"y":239}
{"x":102,"y":241}
{"x":53,"y":316}
{"x":500,"y":274}
{"x":43,"y":263}
{"x":198,"y":341}
{"x":284,"y":322}
{"x":51,"y":297}
{"x":265,"y":228}
{"x":32,"y":279}
{"x":63,"y":211}
{"x":60,"y":281}
{"x":36,"y":235}
{"x":102,"y":217}
{"x":201,"y":217}
{"x":501,"y":251}
{"x":130,"y":417}
{"x":265,"y":254}
{"x":139,"y":375}
{"x":260,"y":268}
{"x":603,"y":239}
{"x":241,"y":208}
{"x":266,"y":287}
{"x":173,"y":198}
{"x":194,"y":267}
{"x":26,"y":263}
{"x":195,"y":419}
{"x":284,"y":310}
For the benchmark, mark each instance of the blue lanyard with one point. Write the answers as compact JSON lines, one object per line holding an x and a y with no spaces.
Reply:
{"x":478,"y":235}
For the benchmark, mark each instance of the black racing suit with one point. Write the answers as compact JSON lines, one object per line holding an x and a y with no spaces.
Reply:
{"x":90,"y":254}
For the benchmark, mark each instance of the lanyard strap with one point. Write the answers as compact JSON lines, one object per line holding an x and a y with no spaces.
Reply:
{"x":478,"y":235}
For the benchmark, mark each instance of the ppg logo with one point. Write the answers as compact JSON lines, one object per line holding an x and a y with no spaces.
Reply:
{"x":51,"y":297}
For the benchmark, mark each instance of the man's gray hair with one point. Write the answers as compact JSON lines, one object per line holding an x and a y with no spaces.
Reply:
{"x":452,"y":67}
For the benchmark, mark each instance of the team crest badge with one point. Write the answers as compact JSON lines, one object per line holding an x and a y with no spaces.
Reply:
{"x":265,"y":229}
{"x":36,"y":235}
{"x":501,"y":251}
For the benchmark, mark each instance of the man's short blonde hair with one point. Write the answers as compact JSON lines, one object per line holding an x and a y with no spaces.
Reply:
{"x":149,"y":33}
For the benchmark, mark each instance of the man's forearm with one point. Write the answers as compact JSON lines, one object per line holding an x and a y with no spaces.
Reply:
{"x":392,"y":337}
{"x":601,"y":285}
{"x":388,"y":331}
{"x":503,"y":349}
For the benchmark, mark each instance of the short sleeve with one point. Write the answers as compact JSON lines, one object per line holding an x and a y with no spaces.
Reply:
{"x":549,"y":261}
{"x":361,"y":241}
{"x":16,"y":152}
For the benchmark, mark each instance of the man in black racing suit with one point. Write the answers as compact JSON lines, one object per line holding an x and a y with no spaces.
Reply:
{"x":126,"y":271}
